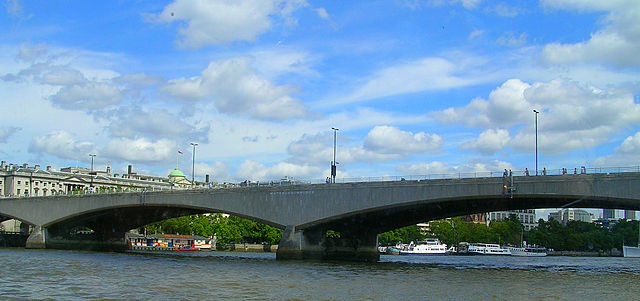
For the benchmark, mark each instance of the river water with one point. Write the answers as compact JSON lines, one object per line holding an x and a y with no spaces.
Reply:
{"x":68,"y":275}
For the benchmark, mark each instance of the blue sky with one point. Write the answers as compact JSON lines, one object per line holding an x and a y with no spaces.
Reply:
{"x":415,"y":87}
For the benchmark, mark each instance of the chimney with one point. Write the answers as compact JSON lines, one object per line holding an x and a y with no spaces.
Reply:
{"x":25,"y":165}
{"x":48,"y":167}
{"x":129,"y":169}
{"x":108,"y":169}
{"x":206,"y":178}
{"x":10,"y":166}
{"x":37,"y":167}
{"x":3,"y":164}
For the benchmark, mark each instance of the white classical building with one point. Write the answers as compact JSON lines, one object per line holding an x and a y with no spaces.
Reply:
{"x":24,"y":180}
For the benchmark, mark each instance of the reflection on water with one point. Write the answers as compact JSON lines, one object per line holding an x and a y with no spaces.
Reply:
{"x":42,"y":274}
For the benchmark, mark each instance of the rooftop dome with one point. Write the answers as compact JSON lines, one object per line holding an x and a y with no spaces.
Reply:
{"x":176,"y":173}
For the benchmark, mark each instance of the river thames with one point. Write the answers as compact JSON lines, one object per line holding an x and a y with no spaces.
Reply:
{"x":65,"y":275}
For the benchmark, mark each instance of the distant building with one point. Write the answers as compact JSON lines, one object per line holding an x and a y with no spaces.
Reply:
{"x":608,"y":213}
{"x":630,"y":215}
{"x":565,"y":215}
{"x":24,"y":180}
{"x":527,"y":217}
{"x":478,"y":218}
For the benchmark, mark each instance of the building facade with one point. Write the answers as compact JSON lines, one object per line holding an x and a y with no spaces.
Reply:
{"x":527,"y":217}
{"x":24,"y":181}
{"x":608,"y":213}
{"x":565,"y":215}
{"x":630,"y":215}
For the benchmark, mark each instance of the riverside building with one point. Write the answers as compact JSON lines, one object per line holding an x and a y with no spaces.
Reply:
{"x":24,"y":181}
{"x":527,"y":217}
{"x":565,"y":215}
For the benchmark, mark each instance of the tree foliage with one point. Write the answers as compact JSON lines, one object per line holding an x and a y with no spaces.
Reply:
{"x":227,"y":230}
{"x":575,"y":236}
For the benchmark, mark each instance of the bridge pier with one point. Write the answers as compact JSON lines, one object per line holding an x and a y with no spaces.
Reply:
{"x":316,"y":245}
{"x":37,"y":238}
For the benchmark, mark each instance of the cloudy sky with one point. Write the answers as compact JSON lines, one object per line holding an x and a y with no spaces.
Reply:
{"x":415,"y":86}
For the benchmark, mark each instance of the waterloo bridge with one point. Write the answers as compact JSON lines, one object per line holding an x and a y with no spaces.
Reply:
{"x":358,"y":211}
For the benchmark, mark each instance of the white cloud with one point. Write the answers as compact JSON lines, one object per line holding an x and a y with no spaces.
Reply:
{"x":322,"y":13}
{"x":391,"y":140}
{"x":218,"y":171}
{"x":506,"y":106}
{"x":6,"y":132}
{"x":90,"y":96}
{"x":276,"y":62}
{"x":416,"y":4}
{"x":237,"y":89}
{"x":627,"y":154}
{"x":475,"y":33}
{"x":504,"y":10}
{"x":512,"y":39}
{"x":382,"y":143}
{"x":62,"y":145}
{"x":141,"y":150}
{"x":469,"y":169}
{"x":426,"y":74}
{"x":30,"y":53}
{"x":14,"y":8}
{"x":135,"y":122}
{"x":139,"y":79}
{"x":615,"y":44}
{"x":573,"y":116}
{"x":489,"y":141}
{"x":468,"y":4}
{"x":252,"y":170}
{"x":630,"y":145}
{"x":220,"y":21}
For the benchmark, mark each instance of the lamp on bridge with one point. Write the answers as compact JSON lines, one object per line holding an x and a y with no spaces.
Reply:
{"x":193,"y":165}
{"x":536,"y":127}
{"x":334,"y":163}
{"x":92,"y":156}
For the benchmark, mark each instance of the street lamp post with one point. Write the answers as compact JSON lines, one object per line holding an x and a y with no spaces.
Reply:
{"x":333,"y":163}
{"x":193,"y":165}
{"x":91,"y":173}
{"x":92,"y":156}
{"x":536,"y":127}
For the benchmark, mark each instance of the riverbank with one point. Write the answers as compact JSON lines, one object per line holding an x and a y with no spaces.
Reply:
{"x":611,"y":253}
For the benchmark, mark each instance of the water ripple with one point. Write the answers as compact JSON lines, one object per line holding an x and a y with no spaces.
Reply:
{"x":78,"y":275}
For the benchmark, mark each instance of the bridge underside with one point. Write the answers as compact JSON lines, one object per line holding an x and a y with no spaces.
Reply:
{"x":358,"y":232}
{"x":102,"y":230}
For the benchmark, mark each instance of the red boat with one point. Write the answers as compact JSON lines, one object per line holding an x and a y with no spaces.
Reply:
{"x":187,"y":249}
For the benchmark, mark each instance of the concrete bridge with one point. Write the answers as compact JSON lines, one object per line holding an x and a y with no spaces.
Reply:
{"x":358,"y":211}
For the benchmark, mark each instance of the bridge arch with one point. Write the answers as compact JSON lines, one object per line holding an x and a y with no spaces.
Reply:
{"x":360,"y":210}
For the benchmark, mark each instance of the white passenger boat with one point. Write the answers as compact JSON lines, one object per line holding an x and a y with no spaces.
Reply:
{"x":487,"y":249}
{"x":528,"y":251}
{"x":430,"y":246}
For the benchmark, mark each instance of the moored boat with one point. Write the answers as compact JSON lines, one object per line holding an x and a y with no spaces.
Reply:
{"x":528,"y":251}
{"x":487,"y":249}
{"x":430,"y":246}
